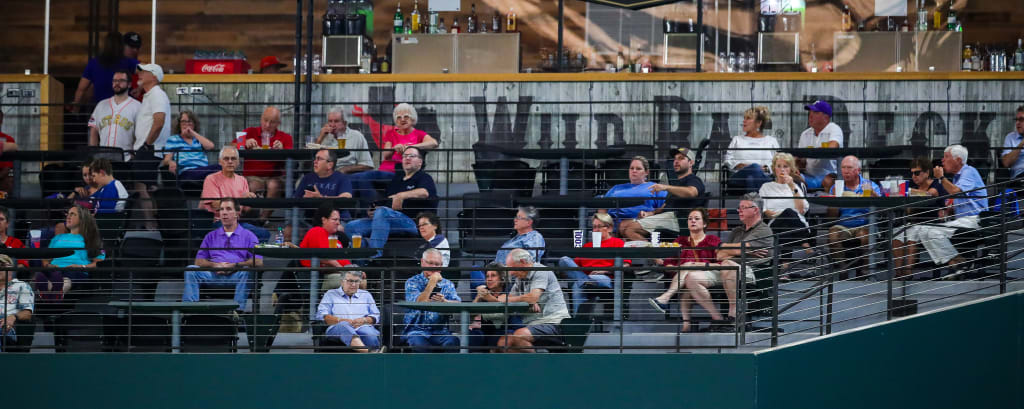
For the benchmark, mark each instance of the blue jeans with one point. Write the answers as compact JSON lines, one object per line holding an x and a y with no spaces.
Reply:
{"x":421,"y":341}
{"x":384,"y":221}
{"x":580,"y":279}
{"x":344,"y":332}
{"x":238,"y":279}
{"x":362,"y":184}
{"x":749,"y":178}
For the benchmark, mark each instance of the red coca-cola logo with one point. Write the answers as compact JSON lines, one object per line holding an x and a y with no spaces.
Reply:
{"x":215,"y":67}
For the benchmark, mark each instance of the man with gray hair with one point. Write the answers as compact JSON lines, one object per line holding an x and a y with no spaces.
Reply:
{"x":425,"y":330}
{"x":336,"y":130}
{"x":351,"y":314}
{"x":967,"y":207}
{"x":852,"y":227}
{"x":541,"y":290}
{"x":20,"y":300}
{"x":227,"y":183}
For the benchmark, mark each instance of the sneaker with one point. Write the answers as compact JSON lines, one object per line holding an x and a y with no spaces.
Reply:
{"x":658,"y":305}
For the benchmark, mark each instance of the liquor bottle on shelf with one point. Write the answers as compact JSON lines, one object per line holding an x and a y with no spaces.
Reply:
{"x":433,"y":22}
{"x":922,"y":16}
{"x":496,"y":22}
{"x":455,"y":25}
{"x":751,"y":62}
{"x":441,"y":27}
{"x":415,"y":16}
{"x":510,"y":21}
{"x":668,"y":25}
{"x":732,"y":62}
{"x":399,"y":19}
{"x":620,"y":61}
{"x":847,"y":21}
{"x":365,"y":9}
{"x":951,"y":22}
{"x":937,"y":18}
{"x":1018,"y":56}
{"x":328,"y":19}
{"x":977,"y":59}
{"x":408,"y":26}
{"x":471,"y":20}
{"x":814,"y":59}
{"x":966,"y":66}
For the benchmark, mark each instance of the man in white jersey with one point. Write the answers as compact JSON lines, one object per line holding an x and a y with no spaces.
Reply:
{"x":152,"y":129}
{"x":113,"y":121}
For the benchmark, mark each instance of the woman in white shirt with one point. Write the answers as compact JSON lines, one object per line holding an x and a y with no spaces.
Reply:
{"x":749,"y":155}
{"x":784,"y":202}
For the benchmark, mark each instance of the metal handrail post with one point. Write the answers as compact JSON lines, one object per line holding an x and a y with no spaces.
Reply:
{"x":741,"y":298}
{"x":1002,"y":242}
{"x":892,"y":271}
{"x":775,"y":290}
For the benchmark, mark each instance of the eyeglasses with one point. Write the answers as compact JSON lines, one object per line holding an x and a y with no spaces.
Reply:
{"x":410,"y":156}
{"x":916,"y":172}
{"x":431,"y":264}
{"x":348,"y":281}
{"x":746,"y":207}
{"x":599,"y":225}
{"x":186,"y":121}
{"x":119,"y":80}
{"x":524,"y":218}
{"x":1019,"y":119}
{"x":424,"y":224}
{"x":230,"y":158}
{"x":319,"y":159}
{"x":406,"y":117}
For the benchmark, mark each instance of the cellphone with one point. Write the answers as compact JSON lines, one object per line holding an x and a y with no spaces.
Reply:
{"x":437,"y":290}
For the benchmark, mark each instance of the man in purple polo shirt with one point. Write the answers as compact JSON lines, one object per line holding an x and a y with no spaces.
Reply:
{"x":213,"y":253}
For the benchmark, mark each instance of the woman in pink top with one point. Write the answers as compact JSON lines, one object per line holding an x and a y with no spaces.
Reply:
{"x":394,"y":142}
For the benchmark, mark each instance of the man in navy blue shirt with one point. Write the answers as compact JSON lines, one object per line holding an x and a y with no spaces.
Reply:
{"x":393,"y":213}
{"x":324,"y":181}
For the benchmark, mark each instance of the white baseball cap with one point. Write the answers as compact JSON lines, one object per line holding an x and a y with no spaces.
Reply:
{"x":154,"y":69}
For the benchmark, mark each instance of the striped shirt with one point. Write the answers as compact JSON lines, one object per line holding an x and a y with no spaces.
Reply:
{"x":191,"y":155}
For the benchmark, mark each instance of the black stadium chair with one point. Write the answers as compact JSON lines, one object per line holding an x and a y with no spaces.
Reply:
{"x":78,"y":332}
{"x":209,"y":333}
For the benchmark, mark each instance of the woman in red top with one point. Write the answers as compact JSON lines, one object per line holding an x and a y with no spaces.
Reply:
{"x":325,"y":235}
{"x":596,"y":271}
{"x":696,"y":222}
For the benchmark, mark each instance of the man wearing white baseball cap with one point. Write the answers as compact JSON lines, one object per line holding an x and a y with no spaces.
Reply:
{"x":152,"y":128}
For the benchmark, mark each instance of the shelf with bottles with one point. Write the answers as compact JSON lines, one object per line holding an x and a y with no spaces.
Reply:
{"x":993,"y":57}
{"x":435,"y":22}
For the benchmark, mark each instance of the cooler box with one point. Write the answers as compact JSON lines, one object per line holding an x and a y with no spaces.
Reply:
{"x":216,"y":67}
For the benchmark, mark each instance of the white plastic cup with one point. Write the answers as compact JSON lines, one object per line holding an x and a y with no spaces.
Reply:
{"x":595,"y":237}
{"x":655,"y":238}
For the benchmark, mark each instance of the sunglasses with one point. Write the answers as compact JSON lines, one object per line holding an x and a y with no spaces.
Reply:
{"x":916,"y":172}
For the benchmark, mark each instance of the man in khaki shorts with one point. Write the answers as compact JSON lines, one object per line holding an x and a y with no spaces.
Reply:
{"x":684,"y":194}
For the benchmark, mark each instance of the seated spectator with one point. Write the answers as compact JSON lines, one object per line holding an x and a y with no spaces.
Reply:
{"x":82,"y":193}
{"x":53,"y":284}
{"x":784,"y":202}
{"x":395,"y":214}
{"x":7,"y":144}
{"x":541,"y":290}
{"x":904,"y":252}
{"x":684,"y":193}
{"x":351,"y":314}
{"x":188,"y":159}
{"x":756,"y":234}
{"x":227,"y":183}
{"x":324,"y":181}
{"x":265,"y":175}
{"x":111,"y":195}
{"x":425,"y":330}
{"x":336,"y":128}
{"x":526,"y":237}
{"x":1012,"y":144}
{"x":638,"y":186}
{"x":698,"y":249}
{"x":487,"y":328}
{"x":324,"y":235}
{"x":967,"y":206}
{"x":750,"y":155}
{"x":822,"y":132}
{"x":7,"y":241}
{"x":429,"y":226}
{"x":596,"y":271}
{"x":228,"y":249}
{"x":20,"y":300}
{"x":396,"y":139}
{"x":852,"y":226}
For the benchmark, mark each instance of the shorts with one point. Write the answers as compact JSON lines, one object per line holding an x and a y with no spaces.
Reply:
{"x":846,"y":233}
{"x":664,"y":220}
{"x":144,"y":170}
{"x":263,"y":180}
{"x":547,"y":334}
{"x":714,"y":277}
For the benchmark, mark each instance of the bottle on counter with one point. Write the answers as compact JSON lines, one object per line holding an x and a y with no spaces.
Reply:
{"x":977,"y":58}
{"x":496,"y":22}
{"x":847,"y":21}
{"x":922,"y":16}
{"x":414,"y":17}
{"x":620,"y":61}
{"x":510,"y":21}
{"x":471,"y":20}
{"x":751,"y":62}
{"x":455,"y":25}
{"x":433,"y":22}
{"x":814,"y":58}
{"x":329,"y":18}
{"x":937,"y":18}
{"x":408,"y":26}
{"x":966,"y":65}
{"x":951,"y":22}
{"x":385,"y":64}
{"x":441,"y":27}
{"x":365,"y":9}
{"x":399,"y":20}
{"x":1018,"y":56}
{"x":732,"y":62}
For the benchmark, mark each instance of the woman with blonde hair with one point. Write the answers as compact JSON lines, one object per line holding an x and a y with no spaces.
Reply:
{"x":749,"y":155}
{"x":784,"y":202}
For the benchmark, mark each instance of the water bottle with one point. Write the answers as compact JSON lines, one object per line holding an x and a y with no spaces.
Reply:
{"x":279,"y":239}
{"x":741,"y":62}
{"x":720,"y":67}
{"x":751,"y":62}
{"x":732,"y":62}
{"x":316,"y":64}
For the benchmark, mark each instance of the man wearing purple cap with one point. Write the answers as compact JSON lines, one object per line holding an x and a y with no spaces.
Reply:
{"x":820,"y":173}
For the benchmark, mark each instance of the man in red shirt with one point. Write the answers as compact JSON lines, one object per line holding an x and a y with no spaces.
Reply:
{"x":596,"y":273}
{"x":6,"y":168}
{"x":264,"y":175}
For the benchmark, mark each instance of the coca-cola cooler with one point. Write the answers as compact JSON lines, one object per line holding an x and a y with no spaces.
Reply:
{"x":193,"y":66}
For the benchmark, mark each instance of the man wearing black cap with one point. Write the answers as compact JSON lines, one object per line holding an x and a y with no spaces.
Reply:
{"x":819,"y":173}
{"x":684,"y":193}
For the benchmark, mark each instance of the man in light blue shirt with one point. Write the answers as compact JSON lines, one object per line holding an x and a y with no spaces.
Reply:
{"x":967,"y":183}
{"x":351,"y":314}
{"x":1012,"y":145}
{"x":526,"y":237}
{"x":425,"y":331}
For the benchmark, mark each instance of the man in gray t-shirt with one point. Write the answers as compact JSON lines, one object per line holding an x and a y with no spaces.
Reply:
{"x":541,"y":290}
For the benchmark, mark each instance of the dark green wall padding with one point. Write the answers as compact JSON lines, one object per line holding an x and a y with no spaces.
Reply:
{"x":967,"y":357}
